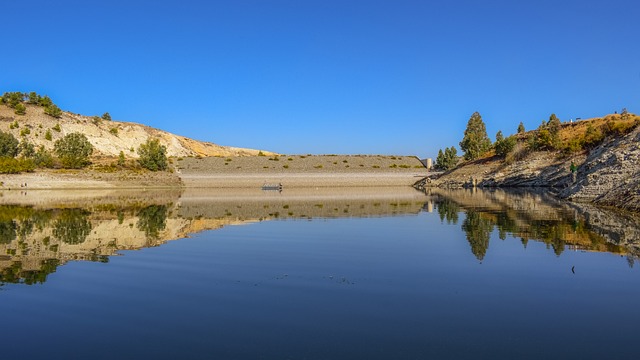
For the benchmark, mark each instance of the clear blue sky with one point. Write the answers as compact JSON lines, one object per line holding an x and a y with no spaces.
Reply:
{"x":326,"y":76}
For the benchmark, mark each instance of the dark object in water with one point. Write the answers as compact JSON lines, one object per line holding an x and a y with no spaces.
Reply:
{"x":573,"y":269}
{"x":276,"y":187}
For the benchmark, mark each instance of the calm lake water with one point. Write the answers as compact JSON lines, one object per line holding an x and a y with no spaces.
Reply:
{"x":315,"y":274}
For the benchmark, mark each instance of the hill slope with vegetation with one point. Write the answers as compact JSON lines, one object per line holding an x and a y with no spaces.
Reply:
{"x":36,"y":120}
{"x":595,"y":160}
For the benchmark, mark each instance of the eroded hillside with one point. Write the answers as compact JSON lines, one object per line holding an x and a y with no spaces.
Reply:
{"x":108,"y":137}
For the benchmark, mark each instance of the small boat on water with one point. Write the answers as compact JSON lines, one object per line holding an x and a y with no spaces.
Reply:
{"x":272,"y":187}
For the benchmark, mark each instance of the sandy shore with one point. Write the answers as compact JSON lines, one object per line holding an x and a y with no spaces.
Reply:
{"x":307,"y":180}
{"x":246,"y":172}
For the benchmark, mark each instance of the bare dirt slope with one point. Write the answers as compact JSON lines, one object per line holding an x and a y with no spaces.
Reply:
{"x":107,"y":137}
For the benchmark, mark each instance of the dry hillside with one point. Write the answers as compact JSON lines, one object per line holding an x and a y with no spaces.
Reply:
{"x":107,"y":137}
{"x":606,"y":157}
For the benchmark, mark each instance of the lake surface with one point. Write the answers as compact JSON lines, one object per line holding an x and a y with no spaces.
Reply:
{"x":315,"y":274}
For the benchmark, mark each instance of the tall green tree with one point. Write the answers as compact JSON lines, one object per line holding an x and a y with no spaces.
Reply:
{"x":521,"y":129}
{"x":475,"y":141}
{"x":554,"y":130}
{"x":448,"y":159}
{"x":73,"y":150}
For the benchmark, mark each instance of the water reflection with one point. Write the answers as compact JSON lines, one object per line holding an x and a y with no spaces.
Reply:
{"x":40,"y":231}
{"x":538,"y":217}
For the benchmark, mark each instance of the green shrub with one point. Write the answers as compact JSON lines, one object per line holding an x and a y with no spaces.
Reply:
{"x":56,"y":128}
{"x":26,"y":149}
{"x":43,"y":159}
{"x":505,"y":146}
{"x":121,"y":159}
{"x":25,"y":131}
{"x":15,"y":166}
{"x":20,"y":109}
{"x":114,"y":131}
{"x":48,"y":135}
{"x":73,"y":150}
{"x":592,"y":136}
{"x":8,"y":145}
{"x":53,"y":110}
{"x":153,"y":156}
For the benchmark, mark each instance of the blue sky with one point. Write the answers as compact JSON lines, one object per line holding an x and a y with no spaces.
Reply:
{"x":327,"y":77}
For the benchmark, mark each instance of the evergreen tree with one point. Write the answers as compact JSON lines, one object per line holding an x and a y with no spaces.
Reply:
{"x":106,"y":116}
{"x":553,"y":124}
{"x":440,"y":160}
{"x":448,"y":159}
{"x":499,"y":136}
{"x":521,"y":129}
{"x":475,"y":141}
{"x":451,"y":157}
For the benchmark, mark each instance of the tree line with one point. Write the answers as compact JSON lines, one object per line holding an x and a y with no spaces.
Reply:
{"x":17,"y":101}
{"x":476,"y":143}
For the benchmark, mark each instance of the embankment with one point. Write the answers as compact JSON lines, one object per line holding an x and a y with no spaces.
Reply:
{"x":608,"y":174}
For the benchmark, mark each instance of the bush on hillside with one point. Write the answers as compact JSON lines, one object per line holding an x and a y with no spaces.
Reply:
{"x":505,"y":145}
{"x":8,"y":145}
{"x":73,"y":150}
{"x":53,"y":110}
{"x":20,"y":109}
{"x":43,"y":158}
{"x":15,"y":166}
{"x":26,"y":149}
{"x":153,"y":156}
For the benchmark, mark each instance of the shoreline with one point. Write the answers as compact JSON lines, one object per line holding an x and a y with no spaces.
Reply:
{"x":90,"y":180}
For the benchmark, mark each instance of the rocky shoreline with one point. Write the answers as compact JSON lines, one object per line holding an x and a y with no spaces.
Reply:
{"x":608,"y":175}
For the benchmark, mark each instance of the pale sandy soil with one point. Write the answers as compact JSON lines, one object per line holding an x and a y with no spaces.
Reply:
{"x":246,"y":172}
{"x":87,"y":179}
{"x":307,"y":180}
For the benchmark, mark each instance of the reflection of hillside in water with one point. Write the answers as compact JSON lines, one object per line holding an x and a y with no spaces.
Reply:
{"x":40,"y":230}
{"x":538,"y":217}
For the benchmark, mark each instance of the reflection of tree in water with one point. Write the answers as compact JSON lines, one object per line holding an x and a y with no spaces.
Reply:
{"x":152,"y":219}
{"x":72,"y":226}
{"x":7,"y":231}
{"x":478,"y":231}
{"x":15,"y":273}
{"x":448,"y":210}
